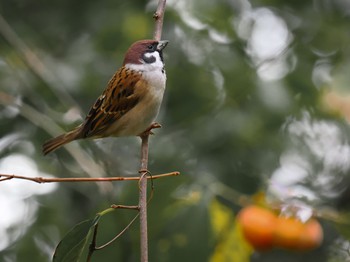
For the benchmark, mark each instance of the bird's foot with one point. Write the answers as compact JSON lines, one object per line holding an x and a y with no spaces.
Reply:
{"x":148,"y":131}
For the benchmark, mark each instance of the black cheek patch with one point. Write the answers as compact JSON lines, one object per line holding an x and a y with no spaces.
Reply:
{"x":148,"y":60}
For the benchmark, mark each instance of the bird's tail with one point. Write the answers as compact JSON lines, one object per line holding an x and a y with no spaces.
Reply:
{"x":61,"y":140}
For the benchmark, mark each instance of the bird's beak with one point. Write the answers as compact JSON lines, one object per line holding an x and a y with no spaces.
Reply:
{"x":162,"y":44}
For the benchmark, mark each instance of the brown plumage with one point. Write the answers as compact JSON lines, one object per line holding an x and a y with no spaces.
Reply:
{"x":131,"y":100}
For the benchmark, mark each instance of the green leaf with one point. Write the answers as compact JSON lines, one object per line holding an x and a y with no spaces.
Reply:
{"x":72,"y":245}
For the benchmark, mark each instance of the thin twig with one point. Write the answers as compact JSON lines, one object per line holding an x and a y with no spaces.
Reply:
{"x":117,"y":236}
{"x":152,"y":188}
{"x":125,"y":207}
{"x":93,"y":247}
{"x":4,"y":177}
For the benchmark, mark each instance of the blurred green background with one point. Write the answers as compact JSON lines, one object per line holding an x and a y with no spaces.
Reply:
{"x":257,"y":100}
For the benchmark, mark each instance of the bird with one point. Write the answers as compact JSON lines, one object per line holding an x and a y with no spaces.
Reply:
{"x":131,"y":101}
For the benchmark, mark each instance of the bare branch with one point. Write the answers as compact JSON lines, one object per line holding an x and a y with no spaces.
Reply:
{"x":125,"y":207}
{"x":143,"y":199}
{"x":159,"y":16}
{"x":4,"y":177}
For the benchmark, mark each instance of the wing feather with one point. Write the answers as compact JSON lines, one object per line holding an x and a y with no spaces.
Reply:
{"x":118,"y":98}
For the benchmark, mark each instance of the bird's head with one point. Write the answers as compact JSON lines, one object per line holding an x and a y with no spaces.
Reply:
{"x":146,"y":52}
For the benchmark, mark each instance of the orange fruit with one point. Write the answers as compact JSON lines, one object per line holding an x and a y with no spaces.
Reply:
{"x":264,"y":230}
{"x":312,"y":235}
{"x":257,"y":226}
{"x":291,"y":233}
{"x":287,"y":232}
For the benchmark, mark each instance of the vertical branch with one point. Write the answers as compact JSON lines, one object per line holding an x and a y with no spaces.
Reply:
{"x":158,"y":16}
{"x":143,"y":199}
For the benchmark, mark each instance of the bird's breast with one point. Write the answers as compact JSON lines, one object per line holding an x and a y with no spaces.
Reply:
{"x":156,"y":79}
{"x":150,"y":91}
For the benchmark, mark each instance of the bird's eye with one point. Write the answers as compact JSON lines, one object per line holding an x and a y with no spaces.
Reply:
{"x":150,"y":47}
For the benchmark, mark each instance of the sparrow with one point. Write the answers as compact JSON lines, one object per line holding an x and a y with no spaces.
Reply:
{"x":131,"y":101}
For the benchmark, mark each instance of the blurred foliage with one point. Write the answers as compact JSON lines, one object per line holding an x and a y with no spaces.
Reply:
{"x":256,"y":100}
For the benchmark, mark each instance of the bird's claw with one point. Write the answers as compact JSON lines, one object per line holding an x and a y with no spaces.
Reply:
{"x":148,"y":131}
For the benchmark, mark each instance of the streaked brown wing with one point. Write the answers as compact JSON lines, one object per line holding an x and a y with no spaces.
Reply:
{"x":118,"y":98}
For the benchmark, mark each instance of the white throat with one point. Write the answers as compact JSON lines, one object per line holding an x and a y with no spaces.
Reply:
{"x":153,"y":72}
